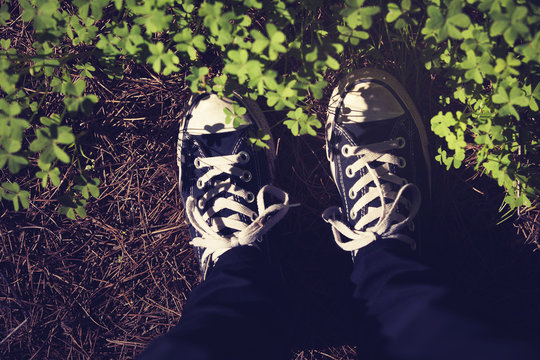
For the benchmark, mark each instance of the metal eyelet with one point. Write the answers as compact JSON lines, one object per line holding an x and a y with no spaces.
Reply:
{"x":197,"y":163}
{"x":349,"y":172}
{"x":246,"y":176}
{"x":345,"y":150}
{"x":243,"y":157}
{"x":353,"y":215}
{"x":402,"y":162}
{"x":411,"y":226}
{"x":352,"y":194}
{"x":250,"y":197}
{"x":401,"y":142}
{"x":201,"y":204}
{"x":200,"y":184}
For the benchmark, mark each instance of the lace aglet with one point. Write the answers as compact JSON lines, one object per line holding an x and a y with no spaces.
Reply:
{"x":294,"y":205}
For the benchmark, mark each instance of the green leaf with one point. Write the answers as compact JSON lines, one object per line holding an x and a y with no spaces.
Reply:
{"x":276,"y":39}
{"x":11,"y":145}
{"x":39,"y":144}
{"x":332,"y":63}
{"x":11,"y":187}
{"x":460,"y":20}
{"x":4,"y":16}
{"x":154,"y":19}
{"x":406,"y":5}
{"x":301,"y":123}
{"x":536,"y":92}
{"x":312,"y":55}
{"x":292,"y":125}
{"x":260,"y":42}
{"x":501,"y":97}
{"x":23,"y":198}
{"x":16,"y":163}
{"x":47,"y":173}
{"x":317,"y":88}
{"x":219,"y":83}
{"x":65,"y":136}
{"x":498,"y":27}
{"x":60,"y":154}
{"x":5,"y":43}
{"x":12,"y":192}
{"x":519,"y":13}
{"x":196,"y":76}
{"x":162,"y":60}
{"x":259,"y":140}
{"x":93,"y":187}
{"x":510,"y":35}
{"x":199,"y":42}
{"x":80,"y":211}
{"x":394,"y":12}
{"x":517,"y":97}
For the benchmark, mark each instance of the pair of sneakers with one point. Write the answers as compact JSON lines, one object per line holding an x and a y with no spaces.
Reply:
{"x":376,"y":145}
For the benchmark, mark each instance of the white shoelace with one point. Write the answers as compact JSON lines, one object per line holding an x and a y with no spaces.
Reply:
{"x":208,"y":224}
{"x":390,"y":221}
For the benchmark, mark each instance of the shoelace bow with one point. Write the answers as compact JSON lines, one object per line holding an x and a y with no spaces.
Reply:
{"x":390,"y":221}
{"x":208,"y":224}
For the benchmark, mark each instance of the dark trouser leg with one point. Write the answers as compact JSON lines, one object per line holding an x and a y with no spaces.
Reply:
{"x":231,"y":315}
{"x":418,"y":317}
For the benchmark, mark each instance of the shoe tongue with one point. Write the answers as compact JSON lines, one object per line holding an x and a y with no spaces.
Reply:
{"x":372,"y":132}
{"x":221,"y":144}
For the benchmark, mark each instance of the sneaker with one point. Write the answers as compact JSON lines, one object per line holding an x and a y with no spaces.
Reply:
{"x":377,"y":147}
{"x":224,"y":178}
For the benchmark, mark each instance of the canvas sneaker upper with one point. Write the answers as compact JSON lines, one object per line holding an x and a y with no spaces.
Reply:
{"x":377,"y":148}
{"x":225,"y":181}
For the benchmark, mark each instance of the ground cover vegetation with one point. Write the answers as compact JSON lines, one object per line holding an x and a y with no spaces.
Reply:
{"x":487,"y":50}
{"x":91,"y":96}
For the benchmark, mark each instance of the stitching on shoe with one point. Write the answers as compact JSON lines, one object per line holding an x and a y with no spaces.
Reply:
{"x":340,"y":168}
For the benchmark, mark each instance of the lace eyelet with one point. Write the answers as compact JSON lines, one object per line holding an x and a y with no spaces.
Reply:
{"x":243,"y":157}
{"x":402,"y":162}
{"x":201,"y":204}
{"x":246,"y":176}
{"x":254,"y":216}
{"x":197,"y":163}
{"x":401,"y":142}
{"x":353,"y":215}
{"x":349,"y":172}
{"x":411,"y":226}
{"x":200,"y":184}
{"x":352,"y":194}
{"x":345,"y":150}
{"x":250,"y":197}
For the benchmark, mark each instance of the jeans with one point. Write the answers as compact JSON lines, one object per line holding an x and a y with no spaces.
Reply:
{"x":236,"y":313}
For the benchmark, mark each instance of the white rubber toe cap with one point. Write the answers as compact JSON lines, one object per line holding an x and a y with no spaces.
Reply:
{"x":367,"y":101}
{"x":208,"y":117}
